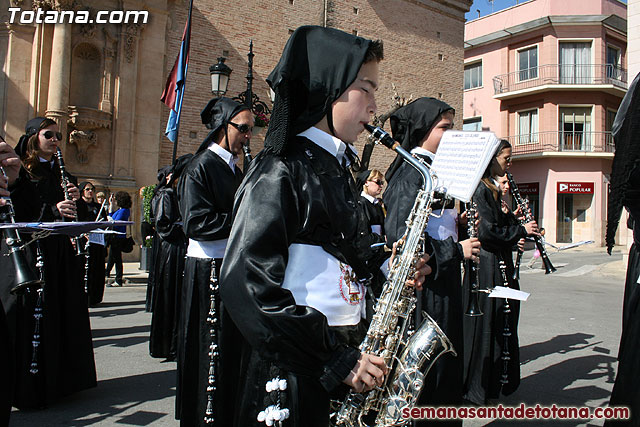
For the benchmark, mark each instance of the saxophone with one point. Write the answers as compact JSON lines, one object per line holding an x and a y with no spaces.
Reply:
{"x":409,"y":358}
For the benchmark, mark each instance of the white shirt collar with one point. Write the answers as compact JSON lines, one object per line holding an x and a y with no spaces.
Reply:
{"x":46,"y":161}
{"x":369,"y":197}
{"x":423,"y":152}
{"x":228,"y":158}
{"x":329,"y":143}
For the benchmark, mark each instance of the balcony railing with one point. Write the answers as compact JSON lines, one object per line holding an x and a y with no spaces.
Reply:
{"x":557,"y":74}
{"x":589,"y":142}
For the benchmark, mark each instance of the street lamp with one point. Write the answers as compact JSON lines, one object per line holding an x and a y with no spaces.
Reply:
{"x":247,"y":97}
{"x":220,"y":73}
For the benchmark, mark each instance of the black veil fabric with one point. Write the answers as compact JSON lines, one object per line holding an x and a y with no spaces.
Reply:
{"x":411,"y":123}
{"x":316,"y":67}
{"x":626,"y":135}
{"x":31,"y":128}
{"x":216,"y":115}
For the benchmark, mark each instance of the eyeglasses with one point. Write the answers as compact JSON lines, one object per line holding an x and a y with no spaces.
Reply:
{"x":50,"y":134}
{"x":379,"y":182}
{"x":243,"y":128}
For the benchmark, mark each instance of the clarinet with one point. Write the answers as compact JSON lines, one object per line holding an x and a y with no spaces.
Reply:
{"x":548,"y":267}
{"x":64,"y":181}
{"x":247,"y":158}
{"x":506,"y":330}
{"x":87,"y":254}
{"x":25,"y":275}
{"x":471,"y":267}
{"x":213,"y":321}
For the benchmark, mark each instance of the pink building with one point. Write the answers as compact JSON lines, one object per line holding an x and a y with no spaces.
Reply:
{"x":549,"y":77}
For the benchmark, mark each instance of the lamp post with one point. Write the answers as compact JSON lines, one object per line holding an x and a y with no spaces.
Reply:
{"x":247,"y":97}
{"x":220,"y":73}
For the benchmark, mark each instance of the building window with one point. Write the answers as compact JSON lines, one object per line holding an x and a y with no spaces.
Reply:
{"x":528,"y":63}
{"x":474,"y":124}
{"x":473,"y":75}
{"x":614,"y":71}
{"x":528,"y":127}
{"x":575,"y":129}
{"x":575,"y":63}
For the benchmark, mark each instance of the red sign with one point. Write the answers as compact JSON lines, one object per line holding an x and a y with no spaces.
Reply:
{"x":575,"y":187}
{"x":529,"y":188}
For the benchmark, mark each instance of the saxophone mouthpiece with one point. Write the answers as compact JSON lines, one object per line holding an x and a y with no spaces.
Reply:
{"x":383,"y":137}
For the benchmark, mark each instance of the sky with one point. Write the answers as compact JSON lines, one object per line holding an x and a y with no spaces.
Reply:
{"x":486,"y":7}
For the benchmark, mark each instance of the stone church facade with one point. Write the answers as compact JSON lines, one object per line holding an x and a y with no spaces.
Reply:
{"x":102,"y":82}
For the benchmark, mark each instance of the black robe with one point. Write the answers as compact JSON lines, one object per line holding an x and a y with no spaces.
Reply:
{"x":441,"y":295}
{"x":306,"y":197}
{"x":65,"y":354}
{"x":168,"y":267}
{"x":625,"y":390}
{"x":95,"y":275}
{"x":483,"y":336}
{"x":205,"y":196}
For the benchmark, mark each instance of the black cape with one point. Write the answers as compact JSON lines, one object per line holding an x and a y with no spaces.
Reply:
{"x":65,"y":354}
{"x":169,"y":266}
{"x":205,"y":197}
{"x":483,"y":335}
{"x":625,"y":390}
{"x":441,"y":295}
{"x":94,"y":280}
{"x":305,"y":196}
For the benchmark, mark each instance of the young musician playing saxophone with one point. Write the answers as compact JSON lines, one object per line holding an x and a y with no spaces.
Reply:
{"x":485,"y":373}
{"x":288,"y":277}
{"x":419,"y":126}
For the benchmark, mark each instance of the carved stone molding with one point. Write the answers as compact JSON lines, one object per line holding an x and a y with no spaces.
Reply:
{"x":131,"y":34}
{"x":58,"y":5}
{"x":110,"y":43}
{"x":86,"y":119}
{"x":88,"y":31}
{"x":83,"y":140}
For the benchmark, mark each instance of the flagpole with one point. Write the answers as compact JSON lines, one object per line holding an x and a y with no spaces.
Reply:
{"x":186,"y":69}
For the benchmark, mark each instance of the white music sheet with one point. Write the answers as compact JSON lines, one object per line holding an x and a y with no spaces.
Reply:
{"x":503,"y":292}
{"x":460,"y":161}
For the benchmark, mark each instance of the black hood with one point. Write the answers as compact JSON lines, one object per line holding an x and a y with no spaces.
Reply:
{"x":216,"y":115}
{"x":411,"y":123}
{"x":317,"y":65}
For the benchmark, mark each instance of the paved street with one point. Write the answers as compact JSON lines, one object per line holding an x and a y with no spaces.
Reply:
{"x":569,"y":332}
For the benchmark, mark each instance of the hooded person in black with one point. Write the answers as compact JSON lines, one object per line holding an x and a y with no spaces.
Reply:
{"x":170,"y":246}
{"x":418,"y":126}
{"x":205,"y":199}
{"x":625,"y":191}
{"x":288,"y":278}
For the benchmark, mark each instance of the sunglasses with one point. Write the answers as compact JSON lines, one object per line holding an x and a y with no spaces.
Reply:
{"x":89,"y":189}
{"x":380,"y":183}
{"x":50,"y":134}
{"x":243,"y":128}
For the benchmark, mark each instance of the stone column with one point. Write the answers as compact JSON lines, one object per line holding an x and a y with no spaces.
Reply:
{"x":58,"y":99}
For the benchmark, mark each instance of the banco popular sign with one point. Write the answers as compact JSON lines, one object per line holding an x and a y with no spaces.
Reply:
{"x":575,"y":188}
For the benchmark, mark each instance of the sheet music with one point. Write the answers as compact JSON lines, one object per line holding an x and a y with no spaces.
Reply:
{"x":460,"y":161}
{"x":502,"y":292}
{"x":97,"y":238}
{"x":66,"y":228}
